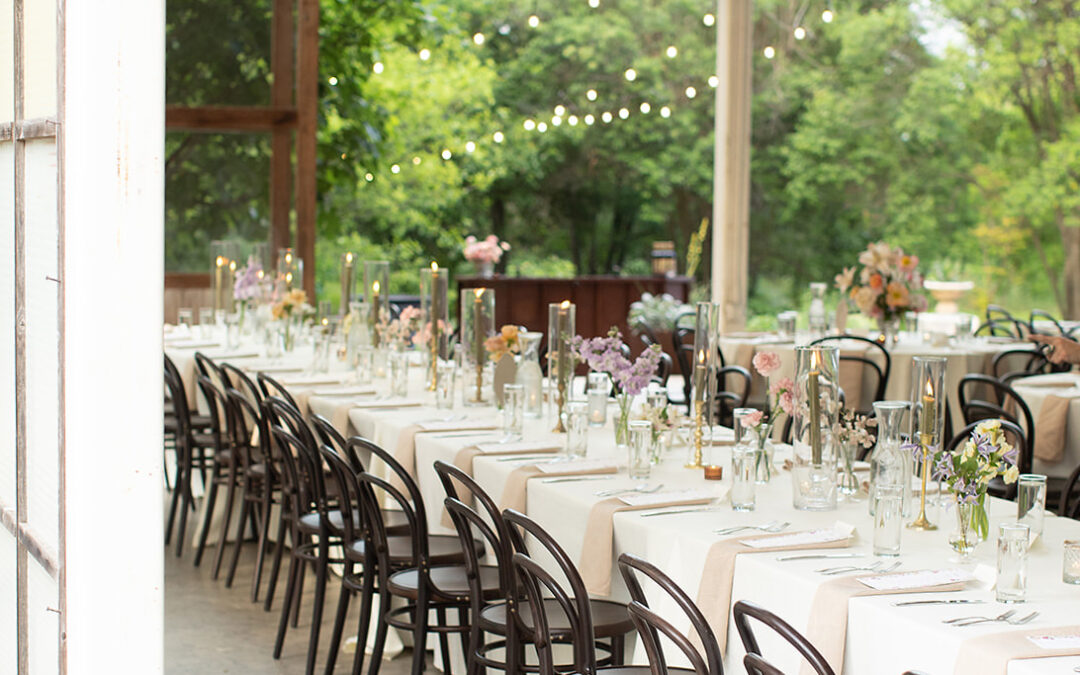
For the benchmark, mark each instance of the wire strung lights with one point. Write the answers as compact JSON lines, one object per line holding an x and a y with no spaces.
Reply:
{"x":630,"y":74}
{"x":497,"y":137}
{"x":665,"y":112}
{"x":606,"y":117}
{"x":800,"y":33}
{"x":623,"y":113}
{"x":377,"y":67}
{"x":478,"y":39}
{"x":560,"y":110}
{"x":470,"y":147}
{"x":591,"y":94}
{"x":425,"y":54}
{"x":769,"y":52}
{"x":645,"y":108}
{"x":534,"y":21}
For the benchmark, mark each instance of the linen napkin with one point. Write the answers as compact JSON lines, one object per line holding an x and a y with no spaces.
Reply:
{"x":990,"y":654}
{"x":464,"y":461}
{"x":829,"y":610}
{"x":714,"y":593}
{"x":596,"y":554}
{"x":1052,"y":422}
{"x":515,"y":490}
{"x":405,"y":450}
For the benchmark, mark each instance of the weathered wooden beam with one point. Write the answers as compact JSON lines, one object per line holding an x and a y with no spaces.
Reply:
{"x":228,"y":119}
{"x":282,"y":26}
{"x":187,"y":280}
{"x":307,"y":108}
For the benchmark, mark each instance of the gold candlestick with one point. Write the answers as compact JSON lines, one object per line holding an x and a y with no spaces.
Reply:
{"x":699,"y":433}
{"x":478,"y":342}
{"x":433,"y":317}
{"x":927,"y":423}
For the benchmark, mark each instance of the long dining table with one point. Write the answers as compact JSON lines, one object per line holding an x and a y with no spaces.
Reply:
{"x":874,"y":635}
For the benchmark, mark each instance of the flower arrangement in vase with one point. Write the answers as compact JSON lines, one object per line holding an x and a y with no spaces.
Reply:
{"x":852,"y":430}
{"x":780,"y":399}
{"x":606,"y":355}
{"x":967,"y":473}
{"x":484,"y":253}
{"x":399,"y":332}
{"x":290,"y":309}
{"x":504,"y":342}
{"x":888,"y":285}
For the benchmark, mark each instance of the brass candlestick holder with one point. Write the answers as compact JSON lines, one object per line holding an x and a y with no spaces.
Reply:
{"x":922,"y":522}
{"x":479,"y":382}
{"x":699,"y":433}
{"x":434,"y":373}
{"x":560,"y":401}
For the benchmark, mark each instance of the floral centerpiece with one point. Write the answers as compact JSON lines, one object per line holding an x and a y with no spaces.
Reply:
{"x":888,"y":285}
{"x":664,"y":419}
{"x":780,"y":400}
{"x":250,"y":285}
{"x":851,"y":430}
{"x":504,"y":342}
{"x":484,"y":253}
{"x":290,"y":309}
{"x":967,"y":473}
{"x":399,"y":332}
{"x":605,"y":355}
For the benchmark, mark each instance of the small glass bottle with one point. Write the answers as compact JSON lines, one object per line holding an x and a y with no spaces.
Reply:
{"x":890,"y":465}
{"x":529,"y":374}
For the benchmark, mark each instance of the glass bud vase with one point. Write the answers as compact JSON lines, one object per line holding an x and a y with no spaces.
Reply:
{"x":529,"y":374}
{"x":888,"y":331}
{"x":622,"y":419}
{"x":763,"y":456}
{"x":817,"y":404}
{"x":966,"y":537}
{"x":889,"y":464}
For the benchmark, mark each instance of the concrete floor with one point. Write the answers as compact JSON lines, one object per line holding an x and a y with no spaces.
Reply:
{"x":213,"y":629}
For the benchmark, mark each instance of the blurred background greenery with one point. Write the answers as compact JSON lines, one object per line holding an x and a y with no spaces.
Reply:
{"x":948,"y":127}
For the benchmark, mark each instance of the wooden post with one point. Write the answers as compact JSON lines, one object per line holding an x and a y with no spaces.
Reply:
{"x":731,"y":167}
{"x":307,"y":104}
{"x":281,"y":95}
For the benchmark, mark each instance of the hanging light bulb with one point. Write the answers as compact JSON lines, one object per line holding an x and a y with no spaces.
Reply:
{"x":534,"y":21}
{"x":672,"y":52}
{"x":395,"y":169}
{"x":827,"y":16}
{"x":645,"y":108}
{"x":368,"y":177}
{"x":377,"y":67}
{"x":623,"y":113}
{"x":714,"y":81}
{"x":446,"y":154}
{"x":560,"y":110}
{"x":708,"y":19}
{"x":416,"y":160}
{"x":631,"y":74}
{"x":665,"y":112}
{"x":478,"y":39}
{"x":770,"y":52}
{"x":800,"y":32}
{"x":591,"y":94}
{"x":556,"y":120}
{"x":529,"y":125}
{"x":542,"y":127}
{"x":497,"y":137}
{"x":332,"y":81}
{"x":594,"y":3}
{"x":589,"y":119}
{"x":606,"y":117}
{"x":470,"y":147}
{"x":572,"y":120}
{"x":691,"y":92}
{"x":425,"y":54}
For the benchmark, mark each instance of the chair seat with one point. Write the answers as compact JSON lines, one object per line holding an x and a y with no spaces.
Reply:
{"x":610,"y":619}
{"x":309,"y":522}
{"x":443,"y":549}
{"x":396,"y":523}
{"x":449,"y":581}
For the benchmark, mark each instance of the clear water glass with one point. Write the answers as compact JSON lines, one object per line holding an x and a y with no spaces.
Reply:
{"x":888,"y":519}
{"x":206,"y":321}
{"x":577,"y":429}
{"x":598,"y":400}
{"x":743,"y":477}
{"x":365,"y":365}
{"x":964,"y":326}
{"x":1070,"y":570}
{"x":320,"y":361}
{"x":185,"y":316}
{"x":1012,"y":562}
{"x":444,"y":385}
{"x":1031,"y":501}
{"x":785,"y":323}
{"x":657,"y":398}
{"x":599,"y":381}
{"x":399,"y":374}
{"x":639,"y":465}
{"x":514,"y":411}
{"x":232,"y":331}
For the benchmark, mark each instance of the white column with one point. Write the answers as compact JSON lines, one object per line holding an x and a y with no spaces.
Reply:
{"x":731,"y":166}
{"x":112,"y":161}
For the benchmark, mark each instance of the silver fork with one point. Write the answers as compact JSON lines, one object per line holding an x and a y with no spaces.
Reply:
{"x":972,"y":620}
{"x":771,"y":526}
{"x":879,"y":570}
{"x":844,"y":569}
{"x":1024,"y":619}
{"x":642,"y":488}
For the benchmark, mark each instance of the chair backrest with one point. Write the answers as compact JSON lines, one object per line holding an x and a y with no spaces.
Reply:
{"x":649,"y":625}
{"x":744,"y":611}
{"x":329,"y":435}
{"x":283,"y":412}
{"x":631,"y":566}
{"x":356,"y":444}
{"x":1015,"y":363}
{"x":535,"y":581}
{"x":462,"y":487}
{"x":663,"y":369}
{"x":240,"y":380}
{"x":756,"y":664}
{"x":250,"y":425}
{"x":1037,"y":314}
{"x":271,"y":387}
{"x":348,"y":494}
{"x":881,"y":372}
{"x":204,"y":365}
{"x":732,"y":390}
{"x":181,"y":412}
{"x":1024,"y":449}
{"x":1069,"y":504}
{"x":370,"y":488}
{"x":221,"y":422}
{"x":1006,"y":404}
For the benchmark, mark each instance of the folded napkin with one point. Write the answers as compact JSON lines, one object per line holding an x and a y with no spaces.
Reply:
{"x":464,"y":461}
{"x":829,"y":610}
{"x":596,"y":554}
{"x":515,"y":490}
{"x":990,"y":654}
{"x":405,"y":450}
{"x":1052,"y":422}
{"x":714,"y":593}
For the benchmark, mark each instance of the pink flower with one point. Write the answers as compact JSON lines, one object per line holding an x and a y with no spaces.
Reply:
{"x":784,"y":391}
{"x":753,"y":419}
{"x":766,"y":363}
{"x":787,"y":402}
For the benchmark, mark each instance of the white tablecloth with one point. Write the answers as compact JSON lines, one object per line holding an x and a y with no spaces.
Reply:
{"x":1034,"y":391}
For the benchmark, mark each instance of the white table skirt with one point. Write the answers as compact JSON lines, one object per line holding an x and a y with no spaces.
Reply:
{"x":1034,"y":391}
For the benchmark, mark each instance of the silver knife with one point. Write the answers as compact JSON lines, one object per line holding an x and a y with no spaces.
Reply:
{"x":574,"y":479}
{"x":668,"y":513}
{"x":821,"y":556}
{"x":912,"y":603}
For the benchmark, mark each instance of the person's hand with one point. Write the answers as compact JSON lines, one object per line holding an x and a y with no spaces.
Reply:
{"x":1058,"y":349}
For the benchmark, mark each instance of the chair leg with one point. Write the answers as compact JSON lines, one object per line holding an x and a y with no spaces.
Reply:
{"x":419,"y":634}
{"x":265,"y":508}
{"x":618,"y":650}
{"x":339,"y":618}
{"x":177,"y":495}
{"x":380,"y":634}
{"x":275,"y":568}
{"x":321,"y":566}
{"x":223,"y":539}
{"x":444,"y":638}
{"x":241,"y":526}
{"x":299,"y":594}
{"x":187,"y":504}
{"x":367,"y":594}
{"x":283,"y":624}
{"x":208,"y":518}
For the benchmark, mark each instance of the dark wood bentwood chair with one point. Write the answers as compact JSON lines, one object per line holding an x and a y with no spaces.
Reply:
{"x":880,"y":372}
{"x":755,"y":662}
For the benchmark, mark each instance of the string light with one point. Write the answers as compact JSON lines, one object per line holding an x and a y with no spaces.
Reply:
{"x":534,"y":21}
{"x":478,"y":39}
{"x":606,"y":117}
{"x":560,"y":110}
{"x":665,"y":112}
{"x":591,"y":94}
{"x":672,"y":52}
{"x":623,"y":113}
{"x":377,"y":67}
{"x":416,"y":160}
{"x":572,"y":120}
{"x":708,"y":19}
{"x":631,"y":74}
{"x":541,"y":127}
{"x":529,"y":125}
{"x":470,"y":147}
{"x":827,"y":16}
{"x":645,"y":108}
{"x":332,"y":81}
{"x":504,"y":29}
{"x":369,"y":177}
{"x":556,"y":120}
{"x":497,"y":137}
{"x":800,"y":32}
{"x":425,"y":54}
{"x":589,"y":119}
{"x":594,"y":3}
{"x":343,"y":155}
{"x":446,"y":154}
{"x":691,"y":92}
{"x":395,"y":169}
{"x":770,"y":52}
{"x":714,"y":81}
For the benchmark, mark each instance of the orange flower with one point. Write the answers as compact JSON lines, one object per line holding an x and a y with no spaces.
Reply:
{"x":897,"y":295}
{"x":876,"y":282}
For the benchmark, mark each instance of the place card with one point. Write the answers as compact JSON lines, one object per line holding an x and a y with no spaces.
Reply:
{"x":672,"y":497}
{"x":917,"y":579}
{"x":516,"y":448}
{"x":1055,"y":641}
{"x":837,"y":532}
{"x":577,"y":466}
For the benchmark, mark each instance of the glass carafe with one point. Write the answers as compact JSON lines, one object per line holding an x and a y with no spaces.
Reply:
{"x":890,"y":464}
{"x":529,"y":374}
{"x":816,"y":315}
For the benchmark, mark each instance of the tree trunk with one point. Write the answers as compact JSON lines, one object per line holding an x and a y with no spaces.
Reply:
{"x":1070,"y":241}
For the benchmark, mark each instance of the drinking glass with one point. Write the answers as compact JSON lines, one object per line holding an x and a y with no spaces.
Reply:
{"x":639,"y":465}
{"x":964,"y":325}
{"x":1070,"y":570}
{"x":785,"y":323}
{"x":185,"y":316}
{"x":598,"y":400}
{"x":365,"y":365}
{"x":743,"y":477}
{"x":1012,"y":562}
{"x":320,"y":361}
{"x":514,"y":411}
{"x":232,"y":331}
{"x":444,"y":385}
{"x":399,"y":374}
{"x":1031,"y":501}
{"x":206,"y":321}
{"x":657,"y":398}
{"x":577,"y":429}
{"x":599,"y":381}
{"x":888,"y":519}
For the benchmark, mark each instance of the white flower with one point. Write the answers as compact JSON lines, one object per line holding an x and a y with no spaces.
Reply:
{"x":1011,"y":475}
